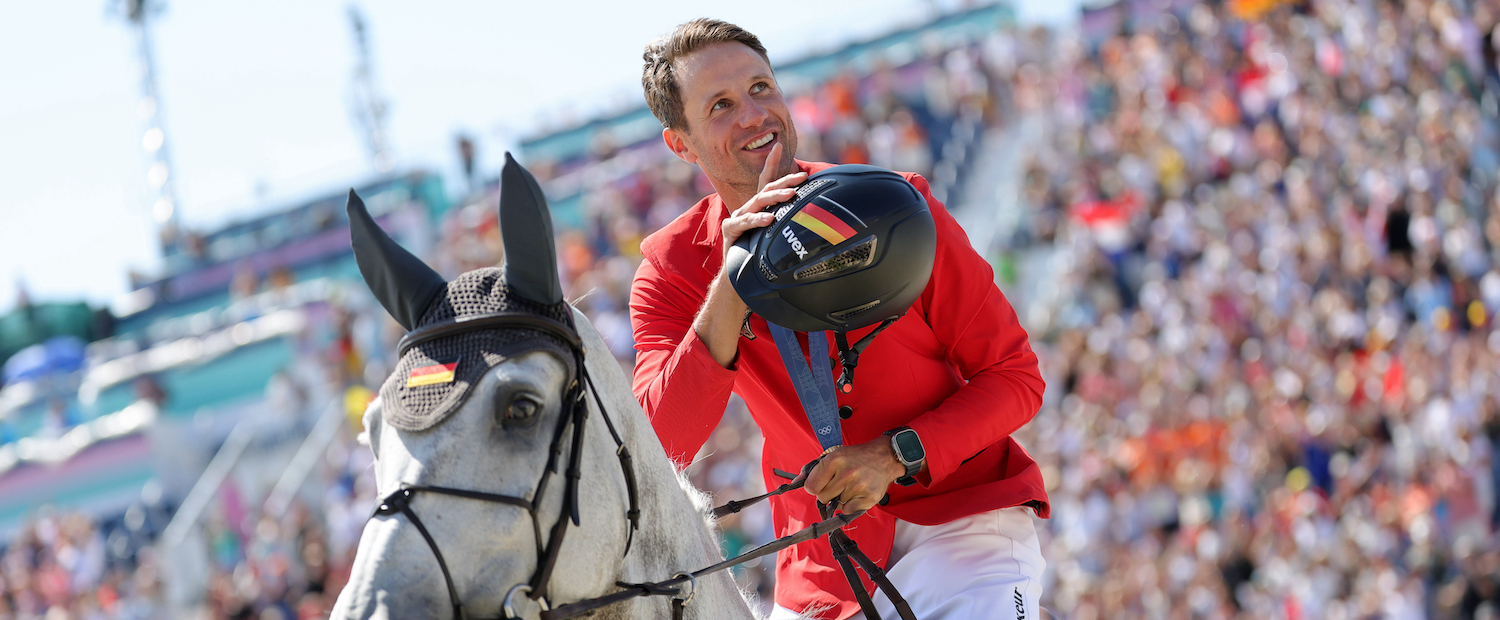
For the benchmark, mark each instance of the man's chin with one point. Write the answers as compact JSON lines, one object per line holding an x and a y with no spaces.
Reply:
{"x":756,"y":162}
{"x":746,"y":169}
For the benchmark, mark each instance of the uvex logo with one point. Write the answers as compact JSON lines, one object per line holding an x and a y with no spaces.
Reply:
{"x":796,"y":243}
{"x":1020,"y":606}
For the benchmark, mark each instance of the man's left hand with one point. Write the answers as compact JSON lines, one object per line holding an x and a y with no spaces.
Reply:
{"x":857,"y":475}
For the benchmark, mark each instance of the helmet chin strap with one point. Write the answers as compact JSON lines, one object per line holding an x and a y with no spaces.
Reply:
{"x":849,"y":356}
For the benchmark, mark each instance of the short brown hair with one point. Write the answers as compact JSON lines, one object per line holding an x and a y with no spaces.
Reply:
{"x":659,"y":77}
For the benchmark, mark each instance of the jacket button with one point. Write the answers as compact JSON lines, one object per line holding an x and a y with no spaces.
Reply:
{"x":845,"y":412}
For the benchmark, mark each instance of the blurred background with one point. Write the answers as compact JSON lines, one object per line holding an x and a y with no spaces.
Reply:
{"x":1256,"y":245}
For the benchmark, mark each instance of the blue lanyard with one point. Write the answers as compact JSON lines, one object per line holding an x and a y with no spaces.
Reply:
{"x":814,"y":389}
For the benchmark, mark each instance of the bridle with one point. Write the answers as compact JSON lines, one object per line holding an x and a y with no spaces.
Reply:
{"x":574,"y":414}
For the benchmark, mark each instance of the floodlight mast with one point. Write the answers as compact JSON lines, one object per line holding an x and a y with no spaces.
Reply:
{"x":160,"y":176}
{"x":367,"y":106}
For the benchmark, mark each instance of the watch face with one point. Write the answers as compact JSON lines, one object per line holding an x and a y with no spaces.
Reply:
{"x":909,"y":446}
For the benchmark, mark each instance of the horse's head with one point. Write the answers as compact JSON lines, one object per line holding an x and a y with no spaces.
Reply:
{"x":487,"y":393}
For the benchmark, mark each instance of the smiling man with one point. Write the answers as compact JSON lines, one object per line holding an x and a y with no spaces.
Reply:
{"x":956,"y":375}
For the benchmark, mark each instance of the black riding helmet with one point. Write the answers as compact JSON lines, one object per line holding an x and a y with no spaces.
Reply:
{"x":854,"y":248}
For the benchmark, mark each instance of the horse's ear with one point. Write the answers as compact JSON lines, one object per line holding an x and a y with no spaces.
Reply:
{"x":403,"y":283}
{"x":526,"y":230}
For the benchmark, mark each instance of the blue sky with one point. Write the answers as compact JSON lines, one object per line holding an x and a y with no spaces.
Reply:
{"x":254,"y":102}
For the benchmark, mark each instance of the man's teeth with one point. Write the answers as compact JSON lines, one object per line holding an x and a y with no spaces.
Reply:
{"x":761,"y":142}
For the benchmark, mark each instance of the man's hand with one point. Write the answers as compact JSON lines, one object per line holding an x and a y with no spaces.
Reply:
{"x":718,"y":322}
{"x":752,"y":214}
{"x":857,"y":475}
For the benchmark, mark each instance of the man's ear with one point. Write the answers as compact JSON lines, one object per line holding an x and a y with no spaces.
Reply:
{"x":676,"y":141}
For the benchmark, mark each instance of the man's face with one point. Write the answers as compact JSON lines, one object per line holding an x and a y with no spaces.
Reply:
{"x":734,"y":114}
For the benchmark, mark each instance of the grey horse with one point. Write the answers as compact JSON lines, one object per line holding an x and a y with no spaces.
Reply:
{"x":478,"y":405}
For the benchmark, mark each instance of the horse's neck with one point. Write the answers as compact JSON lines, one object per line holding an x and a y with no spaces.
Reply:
{"x":674,"y":536}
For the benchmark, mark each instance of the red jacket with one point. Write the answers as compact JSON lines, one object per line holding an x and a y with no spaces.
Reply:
{"x":957,"y":368}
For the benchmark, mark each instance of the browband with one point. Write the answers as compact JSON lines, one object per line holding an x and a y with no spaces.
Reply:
{"x":460,"y":325}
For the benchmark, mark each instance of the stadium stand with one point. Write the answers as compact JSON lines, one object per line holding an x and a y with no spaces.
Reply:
{"x":1271,"y":353}
{"x":1257,"y":259}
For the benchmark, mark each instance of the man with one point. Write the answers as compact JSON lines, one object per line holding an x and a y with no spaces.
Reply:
{"x":956,"y":368}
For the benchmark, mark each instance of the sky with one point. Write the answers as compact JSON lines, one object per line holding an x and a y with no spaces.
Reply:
{"x":254,"y":100}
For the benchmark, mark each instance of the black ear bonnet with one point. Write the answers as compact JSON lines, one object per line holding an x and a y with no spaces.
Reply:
{"x":436,"y":374}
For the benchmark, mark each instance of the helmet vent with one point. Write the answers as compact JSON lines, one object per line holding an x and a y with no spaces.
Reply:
{"x":765,"y":270}
{"x":844,"y":315}
{"x":852,"y":258}
{"x":812,"y":187}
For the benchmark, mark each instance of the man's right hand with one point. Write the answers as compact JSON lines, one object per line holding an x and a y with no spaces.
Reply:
{"x":718,"y":322}
{"x":752,"y":214}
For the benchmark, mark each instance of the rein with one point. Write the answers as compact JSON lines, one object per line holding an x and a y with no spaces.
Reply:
{"x":574,"y":415}
{"x":831,"y":526}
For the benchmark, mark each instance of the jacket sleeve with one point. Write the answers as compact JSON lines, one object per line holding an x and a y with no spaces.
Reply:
{"x":679,"y":385}
{"x":984,"y":340}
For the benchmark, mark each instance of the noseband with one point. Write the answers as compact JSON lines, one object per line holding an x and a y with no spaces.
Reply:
{"x":575,"y":413}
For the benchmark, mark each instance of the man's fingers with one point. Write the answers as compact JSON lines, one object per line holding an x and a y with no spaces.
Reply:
{"x":831,"y":491}
{"x":857,"y":504}
{"x":741,"y":222}
{"x":766,"y":198}
{"x":838,"y":480}
{"x":818,"y":478}
{"x":793,"y":179}
{"x":736,"y":226}
{"x":768,"y":172}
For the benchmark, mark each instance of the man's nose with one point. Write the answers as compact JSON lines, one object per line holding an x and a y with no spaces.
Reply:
{"x":752,"y":114}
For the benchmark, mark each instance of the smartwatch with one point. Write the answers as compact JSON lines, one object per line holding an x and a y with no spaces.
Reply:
{"x":908,"y":449}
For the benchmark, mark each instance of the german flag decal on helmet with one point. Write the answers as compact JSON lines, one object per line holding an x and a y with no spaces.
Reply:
{"x":823,"y":223}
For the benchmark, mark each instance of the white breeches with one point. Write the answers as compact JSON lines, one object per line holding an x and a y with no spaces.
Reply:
{"x":985,"y":566}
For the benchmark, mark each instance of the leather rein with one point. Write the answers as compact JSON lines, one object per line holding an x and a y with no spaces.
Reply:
{"x":574,"y":415}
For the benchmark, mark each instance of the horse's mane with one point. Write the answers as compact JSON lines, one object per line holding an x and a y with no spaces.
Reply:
{"x":702,"y":501}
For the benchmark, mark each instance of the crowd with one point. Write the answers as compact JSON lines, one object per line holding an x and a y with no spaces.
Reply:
{"x":1272,"y":362}
{"x":1269,"y":349}
{"x":287,"y":565}
{"x":60,"y":562}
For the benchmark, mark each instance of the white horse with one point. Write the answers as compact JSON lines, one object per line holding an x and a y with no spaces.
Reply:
{"x":490,"y":547}
{"x":498,"y":442}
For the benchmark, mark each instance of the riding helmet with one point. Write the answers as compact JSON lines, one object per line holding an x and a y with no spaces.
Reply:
{"x":854,"y":248}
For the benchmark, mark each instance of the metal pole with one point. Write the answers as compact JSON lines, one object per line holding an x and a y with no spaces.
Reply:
{"x":306,"y":458}
{"x":367,"y":106}
{"x":203,"y":491}
{"x":159,"y":172}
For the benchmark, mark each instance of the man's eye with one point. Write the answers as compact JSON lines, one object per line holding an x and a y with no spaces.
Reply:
{"x":720,"y":104}
{"x":759,"y":86}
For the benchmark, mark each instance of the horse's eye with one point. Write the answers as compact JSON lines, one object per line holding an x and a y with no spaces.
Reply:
{"x":522,"y":408}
